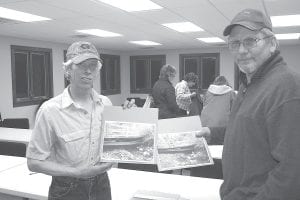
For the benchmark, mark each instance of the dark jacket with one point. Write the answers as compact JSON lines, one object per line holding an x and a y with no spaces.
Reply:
{"x":261,"y":155}
{"x":164,"y":99}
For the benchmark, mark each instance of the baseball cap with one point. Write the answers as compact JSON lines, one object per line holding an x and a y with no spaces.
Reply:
{"x":81,"y":51}
{"x":251,"y":19}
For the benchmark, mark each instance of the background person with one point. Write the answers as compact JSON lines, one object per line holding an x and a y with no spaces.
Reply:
{"x":217,"y":103}
{"x":261,"y":155}
{"x":65,"y":140}
{"x":183,"y":94}
{"x":163,"y":93}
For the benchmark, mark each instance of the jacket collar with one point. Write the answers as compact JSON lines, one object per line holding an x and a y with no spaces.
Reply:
{"x":219,"y":89}
{"x":267,"y":66}
{"x":165,"y":79}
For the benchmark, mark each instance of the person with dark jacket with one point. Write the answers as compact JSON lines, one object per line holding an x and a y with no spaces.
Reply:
{"x":261,"y":154}
{"x":163,"y":93}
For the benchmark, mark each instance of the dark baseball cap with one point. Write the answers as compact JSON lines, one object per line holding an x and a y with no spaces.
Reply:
{"x":251,"y":19}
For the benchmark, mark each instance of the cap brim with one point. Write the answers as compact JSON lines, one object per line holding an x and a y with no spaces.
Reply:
{"x":80,"y":58}
{"x":248,"y":25}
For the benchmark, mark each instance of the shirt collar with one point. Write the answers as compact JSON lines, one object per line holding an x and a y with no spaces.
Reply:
{"x":67,"y":100}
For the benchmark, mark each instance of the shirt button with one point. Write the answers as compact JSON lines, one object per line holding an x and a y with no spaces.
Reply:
{"x":93,"y":142}
{"x":92,"y":158}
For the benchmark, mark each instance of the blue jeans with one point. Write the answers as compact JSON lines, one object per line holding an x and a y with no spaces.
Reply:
{"x":68,"y":188}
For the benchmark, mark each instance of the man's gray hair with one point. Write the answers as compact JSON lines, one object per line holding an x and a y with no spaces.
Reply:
{"x":268,"y":33}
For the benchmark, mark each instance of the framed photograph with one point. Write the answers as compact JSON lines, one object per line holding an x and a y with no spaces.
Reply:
{"x":181,"y":150}
{"x":129,"y":136}
{"x":128,"y":142}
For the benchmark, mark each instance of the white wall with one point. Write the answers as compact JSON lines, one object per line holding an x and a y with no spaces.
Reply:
{"x":290,"y":53}
{"x":172,"y":57}
{"x":6,"y":101}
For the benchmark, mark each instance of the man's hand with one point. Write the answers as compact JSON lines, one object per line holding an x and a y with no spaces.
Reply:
{"x":91,"y":171}
{"x":204,"y":132}
{"x":129,"y":104}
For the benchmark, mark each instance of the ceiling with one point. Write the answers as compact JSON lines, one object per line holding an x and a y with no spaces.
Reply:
{"x":71,"y":15}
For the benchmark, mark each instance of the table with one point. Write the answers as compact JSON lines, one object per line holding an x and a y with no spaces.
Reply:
{"x":15,"y":135}
{"x":17,"y":183}
{"x":126,"y":182}
{"x":23,"y":136}
{"x":7,"y":162}
{"x":216,"y":151}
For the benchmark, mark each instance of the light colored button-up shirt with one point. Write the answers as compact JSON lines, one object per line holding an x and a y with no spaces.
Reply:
{"x":67,"y":133}
{"x":183,"y":95}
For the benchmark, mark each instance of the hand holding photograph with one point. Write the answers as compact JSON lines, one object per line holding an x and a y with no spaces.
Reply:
{"x":182,"y":150}
{"x":177,"y":144}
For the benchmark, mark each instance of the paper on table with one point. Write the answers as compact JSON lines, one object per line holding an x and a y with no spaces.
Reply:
{"x":154,"y":195}
{"x":129,"y":136}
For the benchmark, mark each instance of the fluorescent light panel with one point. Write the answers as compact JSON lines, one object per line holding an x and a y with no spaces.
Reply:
{"x":99,"y":33}
{"x":145,"y":43}
{"x":20,"y":16}
{"x":285,"y":20}
{"x":183,"y":27}
{"x":211,"y":40}
{"x":132,"y":5}
{"x":288,"y":36}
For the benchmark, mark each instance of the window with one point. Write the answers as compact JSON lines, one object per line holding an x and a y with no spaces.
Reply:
{"x":206,"y":66}
{"x":144,"y":72}
{"x":31,"y":75}
{"x":110,"y":74}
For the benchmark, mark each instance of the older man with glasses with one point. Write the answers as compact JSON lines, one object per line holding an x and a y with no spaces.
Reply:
{"x":261,"y":155}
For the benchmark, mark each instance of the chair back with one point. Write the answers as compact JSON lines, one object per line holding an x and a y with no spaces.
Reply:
{"x":16,"y":123}
{"x":12,"y":149}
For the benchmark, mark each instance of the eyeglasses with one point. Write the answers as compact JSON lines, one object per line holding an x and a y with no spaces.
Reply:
{"x":248,"y":43}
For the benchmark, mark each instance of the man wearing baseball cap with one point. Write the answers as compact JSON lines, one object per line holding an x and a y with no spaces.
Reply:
{"x":65,"y":140}
{"x":261,"y":155}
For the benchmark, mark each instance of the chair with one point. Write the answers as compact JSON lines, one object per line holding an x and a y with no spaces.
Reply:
{"x":16,"y":123}
{"x":12,"y":149}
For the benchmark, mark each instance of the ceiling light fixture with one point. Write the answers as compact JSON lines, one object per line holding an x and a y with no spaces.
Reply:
{"x":183,"y":27}
{"x":20,"y":16}
{"x":211,"y":40}
{"x":285,"y":20}
{"x":133,"y":5}
{"x":99,"y":33}
{"x":145,"y":43}
{"x":288,"y":36}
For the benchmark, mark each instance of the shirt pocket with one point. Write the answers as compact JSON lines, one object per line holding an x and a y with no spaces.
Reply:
{"x":76,"y":145}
